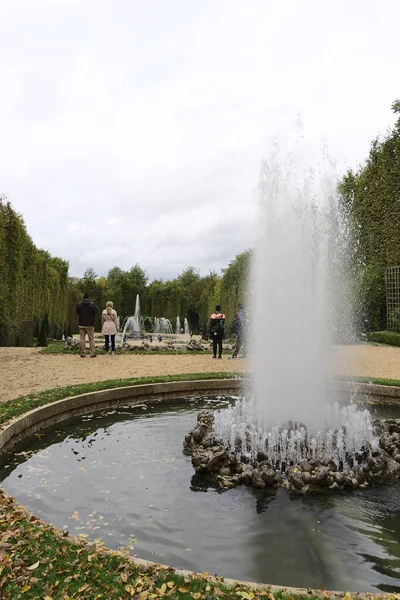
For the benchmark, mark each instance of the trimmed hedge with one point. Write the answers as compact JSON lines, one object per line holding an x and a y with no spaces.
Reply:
{"x":384,"y":337}
{"x":33,"y":284}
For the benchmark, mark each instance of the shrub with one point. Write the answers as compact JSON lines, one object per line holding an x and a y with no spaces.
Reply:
{"x":384,"y":337}
{"x":369,"y":298}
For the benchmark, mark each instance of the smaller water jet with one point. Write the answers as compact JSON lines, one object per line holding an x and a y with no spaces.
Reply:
{"x":178,"y":326}
{"x":134,"y":326}
{"x":186,"y":327}
{"x":162,"y":325}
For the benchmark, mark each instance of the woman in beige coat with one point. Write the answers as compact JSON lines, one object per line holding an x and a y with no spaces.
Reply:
{"x":109,"y":325}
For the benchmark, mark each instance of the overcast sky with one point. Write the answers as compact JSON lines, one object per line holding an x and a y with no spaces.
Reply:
{"x":133,"y":131}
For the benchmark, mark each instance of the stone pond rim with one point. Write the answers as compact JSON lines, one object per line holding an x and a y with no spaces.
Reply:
{"x":61,"y":410}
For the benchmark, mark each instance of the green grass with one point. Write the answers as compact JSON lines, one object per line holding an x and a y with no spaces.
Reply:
{"x":374,"y":380}
{"x":55,"y":347}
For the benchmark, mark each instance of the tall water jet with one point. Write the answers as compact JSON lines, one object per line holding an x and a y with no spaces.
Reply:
{"x":137,"y":307}
{"x":293,"y":283}
{"x":297,"y":293}
{"x":287,"y":430}
{"x":178,"y":326}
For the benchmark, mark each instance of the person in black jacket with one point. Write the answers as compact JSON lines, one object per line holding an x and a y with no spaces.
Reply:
{"x":216,"y":330}
{"x":86,"y":310}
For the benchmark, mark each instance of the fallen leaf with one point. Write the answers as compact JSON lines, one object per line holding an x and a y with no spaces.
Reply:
{"x":34,"y":566}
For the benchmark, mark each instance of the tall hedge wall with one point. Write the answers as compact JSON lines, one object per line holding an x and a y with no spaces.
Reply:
{"x":32,"y":283}
{"x":371,"y":196}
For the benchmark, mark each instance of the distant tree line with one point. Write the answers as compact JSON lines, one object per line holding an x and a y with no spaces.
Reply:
{"x":36,"y":290}
{"x":189,"y":295}
{"x":371,"y":198}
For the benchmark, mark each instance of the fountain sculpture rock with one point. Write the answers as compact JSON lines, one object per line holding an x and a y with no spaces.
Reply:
{"x":378,"y":464}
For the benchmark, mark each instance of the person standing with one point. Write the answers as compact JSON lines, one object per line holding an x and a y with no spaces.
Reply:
{"x":109,"y":326}
{"x":239,"y":325}
{"x":86,"y":311}
{"x":216,"y":330}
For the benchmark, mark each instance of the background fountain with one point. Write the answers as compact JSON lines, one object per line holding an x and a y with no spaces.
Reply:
{"x":186,"y":327}
{"x":178,"y":326}
{"x":162,"y":325}
{"x":134,"y":326}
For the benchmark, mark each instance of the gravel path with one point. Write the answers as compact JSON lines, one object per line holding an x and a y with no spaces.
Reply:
{"x":25,"y":370}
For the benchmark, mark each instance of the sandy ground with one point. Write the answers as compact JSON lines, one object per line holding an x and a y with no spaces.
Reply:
{"x":25,"y":370}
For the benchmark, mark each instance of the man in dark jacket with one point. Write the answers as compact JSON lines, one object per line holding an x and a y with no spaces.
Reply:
{"x":86,"y":310}
{"x":216,"y":330}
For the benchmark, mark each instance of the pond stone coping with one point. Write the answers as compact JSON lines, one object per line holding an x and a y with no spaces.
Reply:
{"x":61,"y":410}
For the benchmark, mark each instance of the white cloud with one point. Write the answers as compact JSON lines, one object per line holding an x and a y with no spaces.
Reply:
{"x":133,"y":132}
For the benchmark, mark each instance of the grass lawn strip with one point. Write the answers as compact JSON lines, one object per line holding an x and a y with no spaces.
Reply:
{"x":14,"y":408}
{"x":55,"y":347}
{"x":40,"y":562}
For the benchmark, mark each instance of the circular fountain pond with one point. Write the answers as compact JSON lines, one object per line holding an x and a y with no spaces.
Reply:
{"x":121,"y":476}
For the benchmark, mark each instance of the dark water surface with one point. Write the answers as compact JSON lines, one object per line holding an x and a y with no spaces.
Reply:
{"x":121,"y":476}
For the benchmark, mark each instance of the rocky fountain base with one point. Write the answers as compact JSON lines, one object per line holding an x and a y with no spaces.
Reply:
{"x":379,"y":463}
